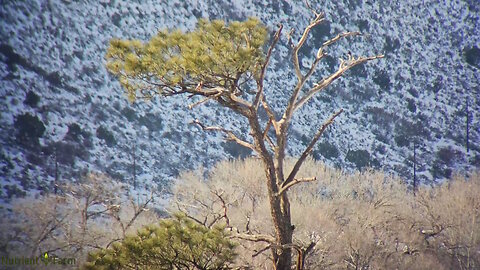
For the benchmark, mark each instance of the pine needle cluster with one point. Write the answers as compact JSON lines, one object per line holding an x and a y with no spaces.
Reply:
{"x":176,"y":243}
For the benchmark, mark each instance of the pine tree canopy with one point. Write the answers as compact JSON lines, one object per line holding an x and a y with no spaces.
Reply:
{"x":177,"y":243}
{"x":212,"y":55}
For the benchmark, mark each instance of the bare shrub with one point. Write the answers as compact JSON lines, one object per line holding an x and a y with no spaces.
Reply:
{"x":449,"y":221}
{"x":86,"y":216}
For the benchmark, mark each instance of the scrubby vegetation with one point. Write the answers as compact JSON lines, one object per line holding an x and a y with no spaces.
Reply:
{"x":89,"y":215}
{"x":364,"y":220}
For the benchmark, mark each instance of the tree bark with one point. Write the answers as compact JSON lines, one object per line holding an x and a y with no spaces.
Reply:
{"x":279,"y":204}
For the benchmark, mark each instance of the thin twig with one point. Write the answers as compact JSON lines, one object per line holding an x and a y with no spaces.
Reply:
{"x":191,"y":106}
{"x":261,"y":251}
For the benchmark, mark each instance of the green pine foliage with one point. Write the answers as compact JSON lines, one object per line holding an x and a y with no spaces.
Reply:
{"x":214,"y":54}
{"x":176,"y":243}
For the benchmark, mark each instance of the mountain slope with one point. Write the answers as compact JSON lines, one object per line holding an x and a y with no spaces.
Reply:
{"x":60,"y":106}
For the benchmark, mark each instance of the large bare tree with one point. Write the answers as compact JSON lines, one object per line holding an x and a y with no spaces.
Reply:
{"x":216,"y":62}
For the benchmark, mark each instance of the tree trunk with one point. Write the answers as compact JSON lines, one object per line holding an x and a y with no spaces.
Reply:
{"x":284,"y":235}
{"x":279,"y":205}
{"x":280,"y":211}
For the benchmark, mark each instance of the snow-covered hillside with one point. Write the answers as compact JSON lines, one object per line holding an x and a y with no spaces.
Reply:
{"x":60,"y":106}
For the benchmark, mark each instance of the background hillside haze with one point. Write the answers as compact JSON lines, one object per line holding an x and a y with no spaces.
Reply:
{"x":62,"y":113}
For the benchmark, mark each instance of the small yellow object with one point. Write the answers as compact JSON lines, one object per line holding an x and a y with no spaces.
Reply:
{"x":46,"y":255}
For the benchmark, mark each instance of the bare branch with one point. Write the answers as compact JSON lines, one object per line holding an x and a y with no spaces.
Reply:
{"x":319,"y":56}
{"x":224,"y":206}
{"x":270,"y":142}
{"x":258,"y":96}
{"x":138,"y":210}
{"x":319,"y":17}
{"x":254,"y":237}
{"x":293,"y":105}
{"x":239,"y":100}
{"x":309,"y":148}
{"x":344,"y":66}
{"x":265,"y":135}
{"x":201,"y":90}
{"x":229,"y":98}
{"x":261,"y":251}
{"x":338,"y":37}
{"x":269,"y":124}
{"x":191,"y":217}
{"x":270,"y":114}
{"x":310,"y":7}
{"x":229,"y":133}
{"x":285,"y":187}
{"x":320,"y":53}
{"x":113,"y":241}
{"x":191,"y":106}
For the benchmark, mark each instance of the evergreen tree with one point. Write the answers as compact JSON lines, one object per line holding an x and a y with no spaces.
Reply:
{"x":177,"y":243}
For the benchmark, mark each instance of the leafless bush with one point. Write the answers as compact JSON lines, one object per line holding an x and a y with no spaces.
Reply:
{"x":88,"y":215}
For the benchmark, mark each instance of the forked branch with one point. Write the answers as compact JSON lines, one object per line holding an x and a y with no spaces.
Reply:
{"x":291,"y":107}
{"x":285,"y":187}
{"x":270,"y":114}
{"x":224,"y":207}
{"x":261,"y":77}
{"x":344,"y":66}
{"x":319,"y":17}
